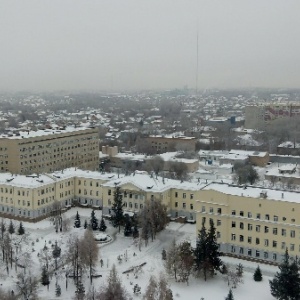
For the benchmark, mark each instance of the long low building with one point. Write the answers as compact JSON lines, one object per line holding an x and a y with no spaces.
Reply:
{"x":252,"y":222}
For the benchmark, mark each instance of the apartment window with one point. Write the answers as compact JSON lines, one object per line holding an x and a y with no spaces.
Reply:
{"x":266,"y":242}
{"x":233,"y":212}
{"x":257,"y":216}
{"x":249,"y":239}
{"x":176,"y":194}
{"x":203,"y":209}
{"x":184,"y":195}
{"x":109,"y":192}
{"x":191,"y":206}
{"x":241,"y":250}
{"x":130,"y":204}
{"x":250,"y":227}
{"x":257,"y":241}
{"x":233,"y":224}
{"x":218,"y":234}
{"x":274,"y":256}
{"x":191,"y":196}
{"x":267,"y":217}
{"x":275,"y":218}
{"x":135,"y":205}
{"x":232,"y":249}
{"x":266,"y":255}
{"x":266,"y":229}
{"x":275,"y":231}
{"x":293,"y":234}
{"x":283,"y":232}
{"x":211,"y":209}
{"x":241,"y":213}
{"x":176,"y":204}
{"x":233,"y":237}
{"x":219,"y":211}
{"x":257,"y":253}
{"x":241,"y":225}
{"x":274,"y":244}
{"x":250,"y":252}
{"x":109,"y":202}
{"x":219,"y":222}
{"x":283,"y":245}
{"x":183,"y":205}
{"x":241,"y":238}
{"x":249,"y":215}
{"x":257,"y":228}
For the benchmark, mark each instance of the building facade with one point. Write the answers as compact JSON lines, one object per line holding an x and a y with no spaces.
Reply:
{"x":49,"y":150}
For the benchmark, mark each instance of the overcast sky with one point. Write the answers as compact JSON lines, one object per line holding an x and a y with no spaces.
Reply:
{"x":139,"y":44}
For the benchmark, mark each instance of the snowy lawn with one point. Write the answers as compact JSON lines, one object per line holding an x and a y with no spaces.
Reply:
{"x":122,"y":252}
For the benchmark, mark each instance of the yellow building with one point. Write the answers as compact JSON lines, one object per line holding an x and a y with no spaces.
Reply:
{"x":49,"y":150}
{"x":252,"y":222}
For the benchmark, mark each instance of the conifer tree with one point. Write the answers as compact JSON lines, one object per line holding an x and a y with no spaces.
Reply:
{"x":11,"y":227}
{"x":213,"y":248}
{"x":56,"y":253}
{"x":286,"y":283}
{"x":117,"y":208}
{"x":127,"y":226}
{"x":229,"y":296}
{"x":257,"y":276}
{"x":80,"y":291}
{"x":85,"y":224}
{"x":102,"y":226}
{"x":77,"y":223}
{"x":45,"y":276}
{"x":2,"y":228}
{"x":93,"y":221}
{"x":21,"y":229}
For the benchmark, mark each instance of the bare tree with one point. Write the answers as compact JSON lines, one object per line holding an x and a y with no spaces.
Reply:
{"x":171,"y":263}
{"x":26,"y":286}
{"x":155,"y":164}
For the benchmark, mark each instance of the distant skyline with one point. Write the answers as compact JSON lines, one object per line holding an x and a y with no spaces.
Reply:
{"x":134,"y":44}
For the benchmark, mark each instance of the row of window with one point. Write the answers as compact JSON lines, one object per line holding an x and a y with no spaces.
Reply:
{"x":129,"y":204}
{"x":265,"y":229}
{"x":184,"y":195}
{"x":91,"y":183}
{"x":258,"y":253}
{"x":211,"y":210}
{"x":184,"y":205}
{"x":85,"y":192}
{"x":258,"y":216}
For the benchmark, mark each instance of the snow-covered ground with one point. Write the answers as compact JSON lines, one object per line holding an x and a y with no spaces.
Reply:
{"x":43,"y":233}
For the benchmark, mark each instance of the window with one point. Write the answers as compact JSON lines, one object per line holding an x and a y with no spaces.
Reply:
{"x":176,"y":194}
{"x":275,"y":231}
{"x":250,"y":227}
{"x":249,"y":239}
{"x":283,"y":232}
{"x":275,"y":218}
{"x":249,"y":252}
{"x":219,"y":222}
{"x":241,"y":238}
{"x":241,"y":225}
{"x":257,"y":253}
{"x":233,"y":224}
{"x":274,"y":244}
{"x":191,"y":206}
{"x":266,"y":229}
{"x":258,"y":216}
{"x":266,"y":255}
{"x":283,"y":246}
{"x":203,"y":209}
{"x":266,"y":242}
{"x":191,"y":196}
{"x":218,"y":234}
{"x":219,"y":211}
{"x":257,"y":241}
{"x":233,"y":237}
{"x":109,"y":192}
{"x":176,"y":204}
{"x":267,"y":217}
{"x":184,"y":195}
{"x":257,"y":228}
{"x":241,"y":213}
{"x":232,"y":249}
{"x":274,"y":256}
{"x":233,"y":212}
{"x":249,"y":215}
{"x":211,"y":209}
{"x":183,"y":205}
{"x":241,"y":250}
{"x":293,"y":234}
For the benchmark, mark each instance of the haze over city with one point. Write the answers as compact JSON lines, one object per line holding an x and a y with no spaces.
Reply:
{"x":115,"y":45}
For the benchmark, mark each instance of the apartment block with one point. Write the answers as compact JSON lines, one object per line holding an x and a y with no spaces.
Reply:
{"x":49,"y":150}
{"x":252,"y":222}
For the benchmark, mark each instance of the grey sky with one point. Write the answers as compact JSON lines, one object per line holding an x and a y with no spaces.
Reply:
{"x":137,"y":44}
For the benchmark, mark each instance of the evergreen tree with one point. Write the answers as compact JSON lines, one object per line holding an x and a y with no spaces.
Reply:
{"x":57,"y":290}
{"x":102,"y":226}
{"x":77,"y":223}
{"x":21,"y":229}
{"x":85,"y":224}
{"x":45,"y":276}
{"x":229,"y":296}
{"x":286,"y":283}
{"x":213,"y":248}
{"x":93,"y":221}
{"x":117,"y":208}
{"x":56,"y":253}
{"x":127,"y":226}
{"x":80,"y":291}
{"x":11,"y":227}
{"x":3,"y":228}
{"x":257,"y":276}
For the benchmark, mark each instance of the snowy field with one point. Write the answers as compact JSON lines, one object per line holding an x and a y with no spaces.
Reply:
{"x":43,"y":233}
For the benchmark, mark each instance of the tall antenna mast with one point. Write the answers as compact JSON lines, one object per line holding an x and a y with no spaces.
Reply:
{"x":197,"y":63}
